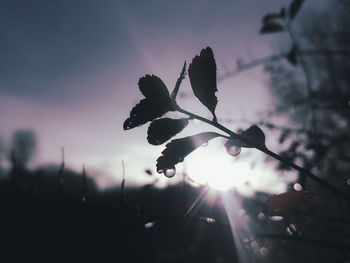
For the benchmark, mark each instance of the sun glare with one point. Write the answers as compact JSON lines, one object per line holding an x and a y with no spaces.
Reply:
{"x":219,"y":170}
{"x":213,"y":166}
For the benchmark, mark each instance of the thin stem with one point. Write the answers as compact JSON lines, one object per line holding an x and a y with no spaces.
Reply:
{"x":302,"y":171}
{"x":122,"y":188}
{"x":60,"y":175}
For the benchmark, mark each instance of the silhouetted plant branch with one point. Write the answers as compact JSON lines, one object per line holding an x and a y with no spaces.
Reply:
{"x":157,"y":102}
{"x":253,"y":144}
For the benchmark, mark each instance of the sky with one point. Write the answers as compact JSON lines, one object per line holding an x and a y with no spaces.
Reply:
{"x":69,"y":71}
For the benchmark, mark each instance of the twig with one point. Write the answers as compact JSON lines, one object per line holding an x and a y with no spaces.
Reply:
{"x":279,"y":56}
{"x":123,"y":203}
{"x":85,"y":186}
{"x":302,"y":171}
{"x":60,"y":175}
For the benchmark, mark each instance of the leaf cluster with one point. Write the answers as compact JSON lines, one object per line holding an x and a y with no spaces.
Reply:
{"x":158,"y":102}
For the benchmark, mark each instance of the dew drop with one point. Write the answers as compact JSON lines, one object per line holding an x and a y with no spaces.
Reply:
{"x":261,"y":216}
{"x":276,"y":218}
{"x":297,"y":187}
{"x":233,"y":150}
{"x":170,"y":172}
{"x":149,"y":225}
{"x":291,"y":229}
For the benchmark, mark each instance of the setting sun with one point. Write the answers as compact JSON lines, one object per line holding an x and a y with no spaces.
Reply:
{"x":213,"y":166}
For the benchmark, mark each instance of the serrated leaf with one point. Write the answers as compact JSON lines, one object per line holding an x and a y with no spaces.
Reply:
{"x":162,"y":130}
{"x":148,"y":110}
{"x":153,"y":87}
{"x":253,"y":134}
{"x":176,"y":150}
{"x":156,"y":104}
{"x":202,"y":73}
{"x":272,"y":16}
{"x":294,"y":8}
{"x":271,"y":27}
{"x":286,"y":203}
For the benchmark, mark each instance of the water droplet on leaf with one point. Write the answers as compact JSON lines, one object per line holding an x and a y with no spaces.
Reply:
{"x":297,"y":187}
{"x":233,"y":150}
{"x":291,"y":229}
{"x":170,"y":172}
{"x":261,"y":216}
{"x":149,"y":224}
{"x":276,"y":218}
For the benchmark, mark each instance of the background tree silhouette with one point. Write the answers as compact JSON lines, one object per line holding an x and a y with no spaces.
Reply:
{"x":22,"y":149}
{"x":314,"y":93}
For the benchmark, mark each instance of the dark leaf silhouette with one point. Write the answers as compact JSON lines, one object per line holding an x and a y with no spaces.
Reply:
{"x":156,"y":104}
{"x":286,"y":203}
{"x":271,"y":27}
{"x":178,"y":149}
{"x":163,"y":129}
{"x":291,"y":56}
{"x":202,"y":73}
{"x":294,"y":8}
{"x":253,"y":134}
{"x":153,"y":87}
{"x":272,"y":16}
{"x":148,"y":110}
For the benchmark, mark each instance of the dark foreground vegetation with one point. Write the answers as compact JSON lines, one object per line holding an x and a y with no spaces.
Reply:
{"x":42,"y":219}
{"x":41,"y":222}
{"x":55,"y":213}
